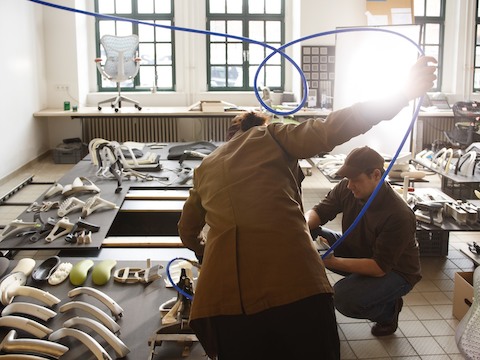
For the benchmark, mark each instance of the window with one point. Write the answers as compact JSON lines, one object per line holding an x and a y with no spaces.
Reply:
{"x":476,"y":72}
{"x":232,"y":63}
{"x":431,"y":15}
{"x":156,"y":48}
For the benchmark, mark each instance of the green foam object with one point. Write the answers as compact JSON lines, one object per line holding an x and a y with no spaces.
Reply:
{"x":102,"y":271}
{"x":79,"y":271}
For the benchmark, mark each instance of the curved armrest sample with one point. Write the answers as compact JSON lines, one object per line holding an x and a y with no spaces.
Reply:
{"x":86,"y":339}
{"x":118,"y":345}
{"x":116,"y":309}
{"x":94,"y":311}
{"x":38,"y":311}
{"x":28,"y":325}
{"x":43,"y":347}
{"x":22,"y":357}
{"x":29,"y":291}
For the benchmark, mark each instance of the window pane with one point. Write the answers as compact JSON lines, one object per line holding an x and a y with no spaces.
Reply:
{"x":123,"y":6}
{"x":256,"y":30}
{"x":235,"y":53}
{"x":275,"y":59}
{"x":256,"y":6}
{"x":274,"y":76}
{"x":163,"y":7}
{"x":432,"y":51}
{"x":164,"y":54}
{"x":234,"y":7}
{"x":145,"y":6}
{"x":273,"y":6}
{"x":217,"y":54}
{"x":106,"y":6}
{"x":234,"y":28}
{"x":235,"y":76}
{"x":146,"y":33}
{"x":147,"y":54}
{"x":218,"y":76}
{"x":256,"y":54}
{"x":217,"y":6}
{"x":165,"y":79}
{"x":274,"y":31}
{"x":124,"y":28}
{"x":218,"y":27}
{"x":419,"y":7}
{"x":106,"y":28}
{"x":433,"y":8}
{"x":477,"y":56}
{"x":432,"y":33}
{"x":476,"y":79}
{"x":260,"y":81}
{"x":147,"y":76}
{"x":478,"y":33}
{"x":161,"y":33}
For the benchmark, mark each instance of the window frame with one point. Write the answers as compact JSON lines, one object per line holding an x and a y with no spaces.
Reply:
{"x":137,"y":17}
{"x":424,"y":21}
{"x":245,"y":17}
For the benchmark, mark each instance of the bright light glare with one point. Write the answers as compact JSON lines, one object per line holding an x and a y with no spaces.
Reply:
{"x":373,"y":65}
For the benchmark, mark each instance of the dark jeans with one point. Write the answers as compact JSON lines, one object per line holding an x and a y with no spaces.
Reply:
{"x":306,"y":329}
{"x":365,"y":297}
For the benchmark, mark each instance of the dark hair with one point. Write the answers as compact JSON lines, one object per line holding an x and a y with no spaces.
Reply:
{"x":246,"y":121}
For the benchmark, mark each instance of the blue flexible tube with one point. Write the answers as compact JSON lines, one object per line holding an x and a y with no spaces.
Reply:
{"x":304,"y":83}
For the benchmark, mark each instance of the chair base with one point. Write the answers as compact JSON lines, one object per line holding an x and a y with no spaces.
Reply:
{"x":116,"y":102}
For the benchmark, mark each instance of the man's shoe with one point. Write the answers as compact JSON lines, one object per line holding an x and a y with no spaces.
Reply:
{"x":390,"y":328}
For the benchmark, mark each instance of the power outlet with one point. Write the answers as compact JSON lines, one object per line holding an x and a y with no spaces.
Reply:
{"x":61,"y":87}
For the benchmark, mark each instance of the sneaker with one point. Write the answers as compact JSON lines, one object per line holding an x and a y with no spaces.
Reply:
{"x":390,"y":328}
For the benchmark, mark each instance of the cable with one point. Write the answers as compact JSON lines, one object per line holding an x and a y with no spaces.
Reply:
{"x":194,"y":263}
{"x":304,"y":82}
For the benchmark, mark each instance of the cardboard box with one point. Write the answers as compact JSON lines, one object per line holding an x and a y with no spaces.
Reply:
{"x":462,"y":293}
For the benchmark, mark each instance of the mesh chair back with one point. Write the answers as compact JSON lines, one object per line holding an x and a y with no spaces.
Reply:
{"x":466,"y":111}
{"x":120,"y":51}
{"x":467,"y":120}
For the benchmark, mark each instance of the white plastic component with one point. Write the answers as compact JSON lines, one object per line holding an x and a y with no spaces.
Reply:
{"x":11,"y":344}
{"x":116,"y":309}
{"x":94,"y":311}
{"x":61,"y":228}
{"x":60,"y":274}
{"x":25,"y":265}
{"x":69,"y":205}
{"x":55,"y":189}
{"x":38,"y":311}
{"x":84,"y":238}
{"x":13,"y":279}
{"x":17,"y":226}
{"x":96,"y":203}
{"x":80,"y":184}
{"x":43,"y":296}
{"x":22,"y":357}
{"x":118,"y":345}
{"x":413,"y":174}
{"x":28,"y":325}
{"x":86,"y":339}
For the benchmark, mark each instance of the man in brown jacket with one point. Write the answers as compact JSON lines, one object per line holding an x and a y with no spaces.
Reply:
{"x":262,"y":292}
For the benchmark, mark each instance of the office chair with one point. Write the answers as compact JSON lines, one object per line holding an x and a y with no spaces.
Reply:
{"x":121,"y":65}
{"x":467,"y":334}
{"x":467,"y":124}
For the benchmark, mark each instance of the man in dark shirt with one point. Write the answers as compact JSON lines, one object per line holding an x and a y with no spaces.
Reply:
{"x":380,"y":256}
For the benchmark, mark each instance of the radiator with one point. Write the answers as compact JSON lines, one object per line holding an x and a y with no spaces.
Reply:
{"x":124,"y":128}
{"x":153,"y":129}
{"x":215,"y":128}
{"x":433,"y":128}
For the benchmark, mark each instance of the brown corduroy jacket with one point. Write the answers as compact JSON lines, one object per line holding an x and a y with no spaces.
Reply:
{"x":258,"y":252}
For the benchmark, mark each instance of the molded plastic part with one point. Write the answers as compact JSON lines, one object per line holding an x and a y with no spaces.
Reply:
{"x":79,"y":271}
{"x":102,"y":272}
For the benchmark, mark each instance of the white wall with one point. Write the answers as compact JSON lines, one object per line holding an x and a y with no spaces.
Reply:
{"x":23,"y":89}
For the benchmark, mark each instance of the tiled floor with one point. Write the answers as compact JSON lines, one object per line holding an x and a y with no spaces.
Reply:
{"x":426,"y":327}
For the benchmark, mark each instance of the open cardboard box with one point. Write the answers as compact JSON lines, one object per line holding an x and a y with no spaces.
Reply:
{"x":462,"y":294}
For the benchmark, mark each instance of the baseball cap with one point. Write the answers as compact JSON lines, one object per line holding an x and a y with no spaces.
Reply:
{"x":359,"y":160}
